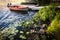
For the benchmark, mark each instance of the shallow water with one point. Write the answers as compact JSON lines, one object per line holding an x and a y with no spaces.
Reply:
{"x":8,"y":17}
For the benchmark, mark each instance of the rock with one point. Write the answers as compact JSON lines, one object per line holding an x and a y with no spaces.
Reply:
{"x":32,"y":31}
{"x":42,"y":31}
{"x":43,"y":26}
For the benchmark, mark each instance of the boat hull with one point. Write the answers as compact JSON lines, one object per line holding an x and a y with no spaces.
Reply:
{"x":18,"y":8}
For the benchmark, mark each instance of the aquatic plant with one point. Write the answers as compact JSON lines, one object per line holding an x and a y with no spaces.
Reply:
{"x":8,"y":33}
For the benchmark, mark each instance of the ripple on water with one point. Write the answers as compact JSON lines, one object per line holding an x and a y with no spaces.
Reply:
{"x":7,"y":17}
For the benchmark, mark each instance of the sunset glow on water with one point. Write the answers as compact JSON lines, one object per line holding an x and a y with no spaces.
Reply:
{"x":4,"y":2}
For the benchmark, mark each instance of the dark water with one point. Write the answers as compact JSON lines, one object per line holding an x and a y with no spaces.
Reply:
{"x":8,"y":17}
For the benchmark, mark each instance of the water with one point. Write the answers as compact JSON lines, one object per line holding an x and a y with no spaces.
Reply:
{"x":7,"y":17}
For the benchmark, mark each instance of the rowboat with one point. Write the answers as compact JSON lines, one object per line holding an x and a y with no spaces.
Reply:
{"x":18,"y":8}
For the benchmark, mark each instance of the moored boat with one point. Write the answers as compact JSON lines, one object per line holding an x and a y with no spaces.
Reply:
{"x":18,"y":8}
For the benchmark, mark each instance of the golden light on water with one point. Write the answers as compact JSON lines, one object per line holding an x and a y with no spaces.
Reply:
{"x":4,"y":2}
{"x":12,"y":1}
{"x":17,"y":1}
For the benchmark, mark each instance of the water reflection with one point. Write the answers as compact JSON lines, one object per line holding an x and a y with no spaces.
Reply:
{"x":7,"y":17}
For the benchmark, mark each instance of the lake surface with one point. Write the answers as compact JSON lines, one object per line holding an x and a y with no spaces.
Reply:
{"x":8,"y":17}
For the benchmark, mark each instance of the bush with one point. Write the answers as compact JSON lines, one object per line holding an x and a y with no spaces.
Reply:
{"x":46,"y":14}
{"x":54,"y":28}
